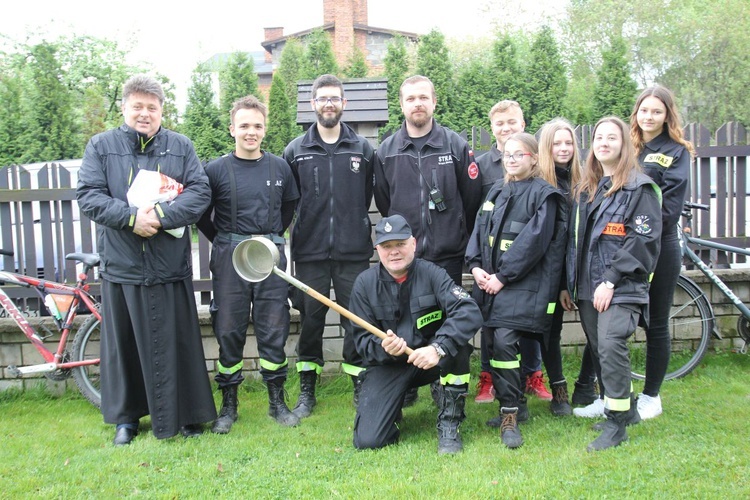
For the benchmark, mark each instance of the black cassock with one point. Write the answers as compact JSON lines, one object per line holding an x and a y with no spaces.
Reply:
{"x":152,"y":359}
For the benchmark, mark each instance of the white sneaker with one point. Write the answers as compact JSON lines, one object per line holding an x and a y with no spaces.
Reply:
{"x":649,"y":407}
{"x":594,"y":410}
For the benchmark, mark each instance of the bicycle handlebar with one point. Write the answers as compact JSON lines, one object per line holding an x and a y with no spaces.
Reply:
{"x":699,"y":206}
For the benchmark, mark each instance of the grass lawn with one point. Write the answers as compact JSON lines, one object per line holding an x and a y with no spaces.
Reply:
{"x":59,"y":447}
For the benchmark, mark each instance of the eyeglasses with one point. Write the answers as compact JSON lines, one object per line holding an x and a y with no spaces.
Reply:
{"x":333,"y":100}
{"x":518,"y":156}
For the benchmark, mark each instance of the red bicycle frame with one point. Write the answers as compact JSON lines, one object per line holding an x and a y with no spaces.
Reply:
{"x":54,"y":360}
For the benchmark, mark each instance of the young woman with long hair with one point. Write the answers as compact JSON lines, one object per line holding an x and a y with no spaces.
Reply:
{"x":560,"y":165}
{"x":613,"y":248}
{"x":665,"y":156}
{"x":514,"y":254}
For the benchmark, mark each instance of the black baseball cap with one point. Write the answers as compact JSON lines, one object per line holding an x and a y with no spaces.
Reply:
{"x":390,"y":228}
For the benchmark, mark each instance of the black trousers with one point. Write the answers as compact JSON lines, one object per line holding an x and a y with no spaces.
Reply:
{"x":319,"y":275}
{"x":454,"y":267}
{"x":233,"y":299}
{"x":661,"y":293}
{"x":382,"y":396}
{"x":532,"y":353}
{"x":551,"y":353}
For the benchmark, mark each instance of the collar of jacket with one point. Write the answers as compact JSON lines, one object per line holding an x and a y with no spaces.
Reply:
{"x":496,"y":154}
{"x":562,"y":172}
{"x":312,"y":136}
{"x":435,"y":139}
{"x":135,"y":138}
{"x":660,"y":140}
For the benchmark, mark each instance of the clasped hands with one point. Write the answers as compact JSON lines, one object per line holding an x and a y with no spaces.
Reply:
{"x":147,"y":224}
{"x":486,"y":281}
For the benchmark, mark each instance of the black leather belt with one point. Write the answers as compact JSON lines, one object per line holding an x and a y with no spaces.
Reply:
{"x":278,"y":240}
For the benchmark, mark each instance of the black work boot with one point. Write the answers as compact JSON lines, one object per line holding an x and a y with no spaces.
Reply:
{"x":357,"y":383}
{"x":613,"y":431}
{"x":452,"y":400}
{"x":306,"y":401}
{"x":584,"y":394}
{"x":509,"y":431}
{"x":559,"y":405}
{"x":632,"y":416}
{"x":277,"y":408}
{"x":521,"y":417}
{"x":228,"y":412}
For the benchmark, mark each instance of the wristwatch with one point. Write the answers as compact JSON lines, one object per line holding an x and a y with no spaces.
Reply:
{"x":609,"y":285}
{"x":440,"y":351}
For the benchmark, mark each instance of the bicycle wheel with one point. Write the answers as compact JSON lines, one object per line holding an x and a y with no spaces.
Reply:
{"x":85,"y":347}
{"x":690,"y":325}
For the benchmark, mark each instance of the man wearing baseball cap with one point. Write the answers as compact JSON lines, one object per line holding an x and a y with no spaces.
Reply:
{"x":421,"y":309}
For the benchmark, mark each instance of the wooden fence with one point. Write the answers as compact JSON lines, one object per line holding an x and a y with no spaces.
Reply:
{"x":41,"y":223}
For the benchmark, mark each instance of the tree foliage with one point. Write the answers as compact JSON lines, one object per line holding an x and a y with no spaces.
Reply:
{"x":319,"y":55}
{"x":614,"y":93}
{"x":12,"y":124}
{"x":291,"y":67}
{"x":700,"y":53}
{"x":356,"y":66}
{"x":474,"y":97}
{"x":547,"y":81}
{"x":202,"y":121}
{"x":237,"y":78}
{"x":396,"y":62}
{"x":433,"y":61}
{"x":57,"y":94}
{"x":281,"y":125}
{"x":51,"y":126}
{"x":506,"y":76}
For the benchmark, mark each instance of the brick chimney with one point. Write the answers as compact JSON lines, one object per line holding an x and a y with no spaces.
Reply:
{"x":344,"y":14}
{"x":272,"y":34}
{"x":360,"y":12}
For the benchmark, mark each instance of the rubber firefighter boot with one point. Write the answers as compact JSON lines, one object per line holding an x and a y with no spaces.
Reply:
{"x":277,"y":408}
{"x":306,"y":401}
{"x":228,"y":412}
{"x":613,"y":431}
{"x":632,"y":417}
{"x":452,"y":401}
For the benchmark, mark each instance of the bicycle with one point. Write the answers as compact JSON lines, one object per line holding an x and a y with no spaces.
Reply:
{"x":62,"y":302}
{"x":692,"y":321}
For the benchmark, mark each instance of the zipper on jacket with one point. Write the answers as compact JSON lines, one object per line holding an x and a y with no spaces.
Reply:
{"x":426,"y":219}
{"x":330,"y":190}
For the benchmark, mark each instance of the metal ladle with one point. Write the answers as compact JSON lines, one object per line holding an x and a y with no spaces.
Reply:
{"x":256,"y":258}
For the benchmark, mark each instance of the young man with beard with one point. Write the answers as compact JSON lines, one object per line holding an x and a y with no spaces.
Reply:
{"x":253,"y":194}
{"x":506,"y":119}
{"x":331,"y":238}
{"x":426,"y":173}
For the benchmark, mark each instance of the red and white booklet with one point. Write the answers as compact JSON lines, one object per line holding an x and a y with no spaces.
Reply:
{"x":149,"y":188}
